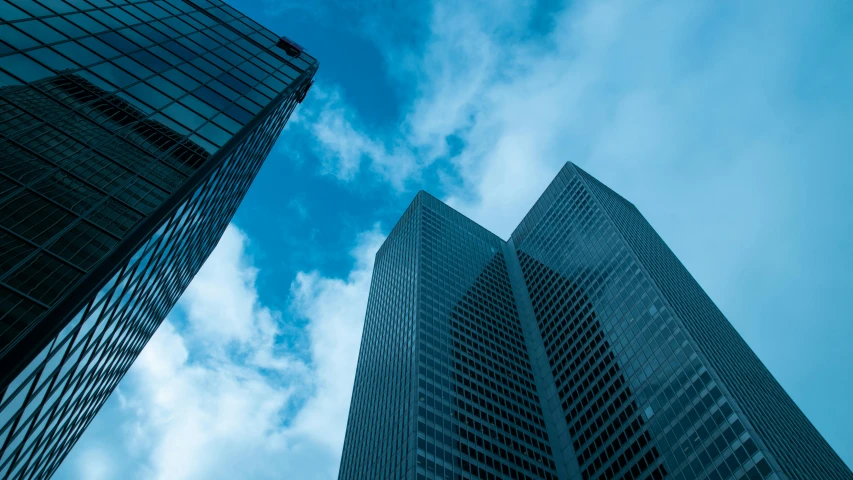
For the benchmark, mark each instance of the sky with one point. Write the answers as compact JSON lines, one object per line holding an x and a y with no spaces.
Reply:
{"x":726,"y":123}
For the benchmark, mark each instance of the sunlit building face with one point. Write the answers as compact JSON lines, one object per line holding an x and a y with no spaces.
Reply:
{"x":579,"y":349}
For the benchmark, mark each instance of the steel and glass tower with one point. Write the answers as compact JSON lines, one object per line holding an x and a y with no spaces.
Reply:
{"x":579,"y":349}
{"x":129,"y":133}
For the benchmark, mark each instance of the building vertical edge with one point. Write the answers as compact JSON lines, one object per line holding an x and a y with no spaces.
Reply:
{"x":558,"y":433}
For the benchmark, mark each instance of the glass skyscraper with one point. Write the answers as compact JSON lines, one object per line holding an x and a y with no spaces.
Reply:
{"x":579,"y":349}
{"x":129,"y":133}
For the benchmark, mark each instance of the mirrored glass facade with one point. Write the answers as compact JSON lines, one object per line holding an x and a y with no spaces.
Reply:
{"x":129,"y":134}
{"x":579,"y":349}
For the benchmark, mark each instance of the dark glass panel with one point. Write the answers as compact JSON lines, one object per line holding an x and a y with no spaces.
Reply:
{"x":33,"y":8}
{"x":249,"y":105}
{"x":215,"y":134}
{"x":99,"y":47}
{"x":58,"y":6}
{"x":168,"y":7}
{"x":218,"y":101}
{"x":153,"y":10}
{"x":239,"y":114}
{"x":123,"y":16}
{"x":137,"y":12}
{"x":165,"y":55}
{"x":79,"y":53}
{"x":16,"y":38}
{"x":203,"y":19}
{"x":151,"y":33}
{"x":118,"y":41}
{"x":136,"y":37}
{"x":47,"y":56}
{"x":68,"y":192}
{"x":114,"y":74}
{"x":16,"y":313}
{"x":21,"y":165}
{"x":194,"y":72}
{"x":33,"y":217}
{"x":9,"y":13}
{"x":114,"y":217}
{"x":223,"y":90}
{"x":43,"y":278}
{"x":185,"y":116}
{"x":40,"y":31}
{"x":151,"y":61}
{"x":179,"y":50}
{"x":101,"y":172}
{"x":205,"y":66}
{"x":164,"y":29}
{"x":14,"y":250}
{"x":198,"y":106}
{"x":86,"y":23}
{"x":184,"y":81}
{"x":227,"y":123}
{"x":179,"y":25}
{"x":64,"y":26}
{"x":234,"y":83}
{"x":104,"y":17}
{"x":24,"y":68}
{"x":167,"y":87}
{"x":143,"y":195}
{"x":5,"y":48}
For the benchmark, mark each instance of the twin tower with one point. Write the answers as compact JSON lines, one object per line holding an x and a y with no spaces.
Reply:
{"x":579,"y":349}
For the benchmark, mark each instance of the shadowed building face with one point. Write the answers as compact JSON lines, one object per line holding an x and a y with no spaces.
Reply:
{"x":578,"y":349}
{"x":130,"y":133}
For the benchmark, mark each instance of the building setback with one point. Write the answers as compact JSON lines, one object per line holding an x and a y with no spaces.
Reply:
{"x":129,"y":133}
{"x":580,"y":349}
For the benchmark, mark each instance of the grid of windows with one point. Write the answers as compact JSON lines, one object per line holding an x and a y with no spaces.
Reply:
{"x":76,"y":189}
{"x":473,"y":411}
{"x":638,"y":400}
{"x":798,"y":449}
{"x":478,"y":411}
{"x":131,"y":131}
{"x":380,"y":435}
{"x":199,"y":67}
{"x":590,"y":384}
{"x":643,"y":377}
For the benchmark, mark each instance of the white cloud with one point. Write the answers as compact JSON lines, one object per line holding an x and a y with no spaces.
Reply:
{"x":215,"y":395}
{"x":335,"y":309}
{"x":95,"y":464}
{"x":343,"y":145}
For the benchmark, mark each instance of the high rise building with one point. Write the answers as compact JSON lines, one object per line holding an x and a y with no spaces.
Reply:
{"x":579,"y":349}
{"x":129,"y":133}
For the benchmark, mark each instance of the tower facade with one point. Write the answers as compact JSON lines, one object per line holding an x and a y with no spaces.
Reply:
{"x":130,"y":132}
{"x":579,"y":349}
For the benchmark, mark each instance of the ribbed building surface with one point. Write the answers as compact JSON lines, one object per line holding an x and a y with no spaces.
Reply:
{"x":579,"y":349}
{"x":129,"y":133}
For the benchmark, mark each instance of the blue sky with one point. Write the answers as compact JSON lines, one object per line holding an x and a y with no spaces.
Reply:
{"x":726,"y":123}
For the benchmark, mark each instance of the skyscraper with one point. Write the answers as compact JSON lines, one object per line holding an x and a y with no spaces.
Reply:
{"x":579,"y":349}
{"x":129,"y":134}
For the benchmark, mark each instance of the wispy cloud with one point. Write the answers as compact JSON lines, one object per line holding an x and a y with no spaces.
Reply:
{"x":299,"y":205}
{"x":345,"y":147}
{"x":335,"y":311}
